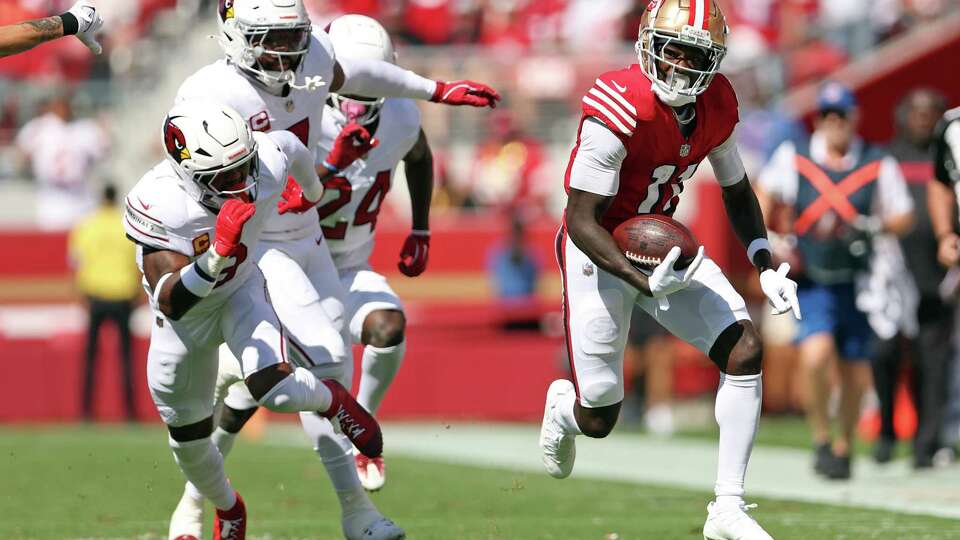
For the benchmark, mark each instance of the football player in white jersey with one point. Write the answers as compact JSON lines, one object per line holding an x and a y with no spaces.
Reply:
{"x":350,"y":206}
{"x":277,"y":73}
{"x":196,"y":218}
{"x":82,"y":20}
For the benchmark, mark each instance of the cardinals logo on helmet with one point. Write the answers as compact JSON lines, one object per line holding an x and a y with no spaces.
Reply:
{"x":226,"y":9}
{"x":175,"y":141}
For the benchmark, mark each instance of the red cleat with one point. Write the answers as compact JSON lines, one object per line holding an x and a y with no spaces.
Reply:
{"x":231,"y":524}
{"x":355,"y":422}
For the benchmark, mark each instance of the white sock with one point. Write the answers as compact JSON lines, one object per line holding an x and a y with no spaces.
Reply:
{"x":300,"y":391}
{"x":202,"y":464}
{"x":223,"y":440}
{"x":564,"y":415}
{"x":737,"y":411}
{"x":336,"y":454}
{"x":380,"y":366}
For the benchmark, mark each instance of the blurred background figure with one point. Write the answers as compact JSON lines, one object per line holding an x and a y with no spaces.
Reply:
{"x":108,"y":278}
{"x":913,"y":321}
{"x":62,"y":153}
{"x":842,"y":191}
{"x":649,"y":356}
{"x":512,"y":266}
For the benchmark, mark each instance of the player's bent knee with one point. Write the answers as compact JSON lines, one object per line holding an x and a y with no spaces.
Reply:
{"x":263,"y":381}
{"x":192,"y":432}
{"x":747,"y":355}
{"x":384,"y":328}
{"x":232,"y":420}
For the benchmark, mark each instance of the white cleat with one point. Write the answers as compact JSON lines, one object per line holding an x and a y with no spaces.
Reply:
{"x":731,"y":522}
{"x":186,"y":523}
{"x":559,"y":448}
{"x":371,"y":525}
{"x":372,"y":471}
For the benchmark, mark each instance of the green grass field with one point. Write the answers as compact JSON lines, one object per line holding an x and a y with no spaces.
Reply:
{"x":66,"y":482}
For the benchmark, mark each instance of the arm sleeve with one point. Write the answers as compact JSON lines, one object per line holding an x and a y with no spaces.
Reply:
{"x":374,"y":78}
{"x":727,"y":163}
{"x":779,"y":177}
{"x":299,"y":163}
{"x":893,"y":197}
{"x":596,"y":167}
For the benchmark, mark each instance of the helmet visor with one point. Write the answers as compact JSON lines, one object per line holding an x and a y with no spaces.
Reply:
{"x":237,"y":180}
{"x":677,"y":63}
{"x":280,"y":49}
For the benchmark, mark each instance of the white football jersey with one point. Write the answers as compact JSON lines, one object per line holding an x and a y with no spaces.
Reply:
{"x":298,"y":112}
{"x":160,"y":215}
{"x":351,"y":201}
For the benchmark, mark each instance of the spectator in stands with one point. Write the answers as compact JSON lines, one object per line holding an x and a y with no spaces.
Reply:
{"x":62,"y":153}
{"x":842,"y":191}
{"x":931,"y":321}
{"x":107,"y":276}
{"x":512,"y":266}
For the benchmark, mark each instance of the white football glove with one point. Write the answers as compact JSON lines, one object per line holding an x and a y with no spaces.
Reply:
{"x":665,"y":280}
{"x":780,"y":290}
{"x":89,"y":21}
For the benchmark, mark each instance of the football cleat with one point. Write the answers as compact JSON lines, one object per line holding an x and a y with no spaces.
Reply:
{"x":355,"y":422}
{"x":231,"y":524}
{"x":731,"y":522}
{"x":369,"y":524}
{"x":372,"y":472}
{"x":186,"y":523}
{"x":559,"y":447}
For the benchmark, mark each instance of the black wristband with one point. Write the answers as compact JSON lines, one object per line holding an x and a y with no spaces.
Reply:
{"x":70,"y":24}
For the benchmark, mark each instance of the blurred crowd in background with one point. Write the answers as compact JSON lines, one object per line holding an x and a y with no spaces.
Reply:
{"x":72,"y":123}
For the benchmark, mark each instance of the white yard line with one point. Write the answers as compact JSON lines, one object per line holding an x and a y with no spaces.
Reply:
{"x":780,"y":473}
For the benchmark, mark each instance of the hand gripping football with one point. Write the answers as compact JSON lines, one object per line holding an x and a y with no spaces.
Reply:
{"x":646,"y":239}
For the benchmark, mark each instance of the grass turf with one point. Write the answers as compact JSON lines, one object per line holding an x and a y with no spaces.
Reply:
{"x":121,"y":482}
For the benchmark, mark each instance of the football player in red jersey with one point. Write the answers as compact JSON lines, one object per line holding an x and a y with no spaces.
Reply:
{"x":644,"y":131}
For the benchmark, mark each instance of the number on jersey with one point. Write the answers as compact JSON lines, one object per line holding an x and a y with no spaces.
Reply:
{"x":656,"y":191}
{"x":367,"y":211}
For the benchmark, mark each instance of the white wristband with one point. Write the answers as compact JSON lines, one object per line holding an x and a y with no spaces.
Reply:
{"x":420,"y":232}
{"x":194,"y":281}
{"x":212,"y":263}
{"x":756,"y":245}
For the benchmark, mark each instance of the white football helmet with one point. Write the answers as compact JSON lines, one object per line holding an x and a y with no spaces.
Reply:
{"x":266,"y":39}
{"x":359,"y":37}
{"x":213,"y":151}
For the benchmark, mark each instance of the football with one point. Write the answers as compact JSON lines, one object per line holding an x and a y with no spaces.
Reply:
{"x":646,"y":239}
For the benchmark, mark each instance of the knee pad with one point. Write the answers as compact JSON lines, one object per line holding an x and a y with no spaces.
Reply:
{"x":299,"y":391}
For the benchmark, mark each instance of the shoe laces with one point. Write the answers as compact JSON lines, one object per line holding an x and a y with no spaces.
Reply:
{"x":348,"y":424}
{"x":230,"y":528}
{"x":737,"y":515}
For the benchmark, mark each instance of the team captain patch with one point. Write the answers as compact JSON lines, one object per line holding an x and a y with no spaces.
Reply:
{"x":201,"y":243}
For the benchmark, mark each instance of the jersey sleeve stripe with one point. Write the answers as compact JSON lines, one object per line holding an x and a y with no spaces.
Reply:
{"x":629,"y":120}
{"x":618,"y":96}
{"x":144,"y":233}
{"x":609,"y":116}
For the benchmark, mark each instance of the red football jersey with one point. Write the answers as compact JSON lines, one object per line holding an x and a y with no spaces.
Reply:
{"x":659,"y":158}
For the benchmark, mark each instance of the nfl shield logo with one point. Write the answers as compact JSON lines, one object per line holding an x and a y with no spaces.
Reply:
{"x":587,"y":269}
{"x":684,"y":150}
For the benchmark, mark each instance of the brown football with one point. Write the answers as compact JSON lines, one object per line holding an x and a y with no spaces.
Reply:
{"x":646,"y":239}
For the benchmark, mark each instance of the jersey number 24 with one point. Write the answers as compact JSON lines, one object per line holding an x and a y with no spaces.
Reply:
{"x":367,"y":210}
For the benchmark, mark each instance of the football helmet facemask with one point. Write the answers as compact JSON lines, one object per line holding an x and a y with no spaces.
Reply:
{"x":213,"y":152}
{"x":673,"y":31}
{"x":266,"y":39}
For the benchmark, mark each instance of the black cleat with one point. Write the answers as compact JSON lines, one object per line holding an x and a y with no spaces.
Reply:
{"x":822,"y":455}
{"x":883,"y":450}
{"x":838,"y":468}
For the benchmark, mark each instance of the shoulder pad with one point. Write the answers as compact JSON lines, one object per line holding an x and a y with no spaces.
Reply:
{"x":154,"y":208}
{"x":617,"y":99}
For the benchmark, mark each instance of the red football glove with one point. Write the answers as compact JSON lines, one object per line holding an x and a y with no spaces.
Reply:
{"x":293,"y":200}
{"x":233,"y":215}
{"x":465,"y":93}
{"x":415,"y":252}
{"x":352,"y":143}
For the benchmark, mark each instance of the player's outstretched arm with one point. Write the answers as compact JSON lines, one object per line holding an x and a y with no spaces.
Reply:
{"x":382,"y":79}
{"x":418,"y":164}
{"x":81,"y":20}
{"x":583,"y":225}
